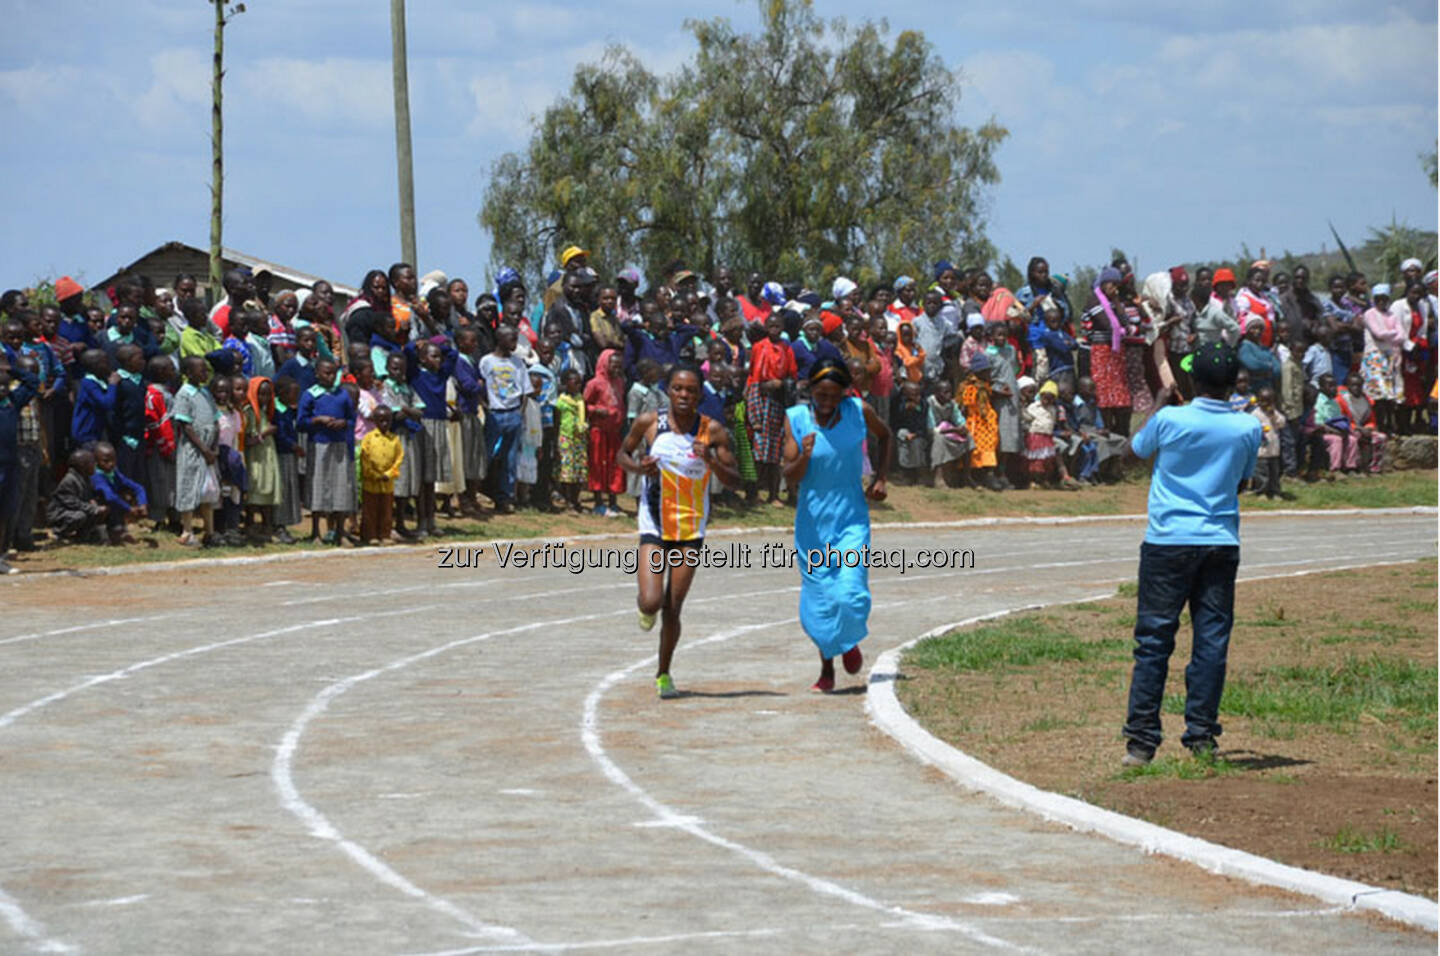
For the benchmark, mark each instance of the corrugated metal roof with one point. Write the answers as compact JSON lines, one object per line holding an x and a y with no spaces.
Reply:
{"x":238,"y":258}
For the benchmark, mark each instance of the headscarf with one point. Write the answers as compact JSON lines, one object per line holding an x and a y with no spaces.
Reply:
{"x":631,"y":276}
{"x":1049,"y":388}
{"x":1178,"y":275}
{"x":841,"y":288}
{"x":903,"y":282}
{"x":1430,"y":277}
{"x":979,"y":361}
{"x":431,"y":280}
{"x":1379,"y":289}
{"x":997,"y":307}
{"x":266,"y":414}
{"x":773,"y":293}
{"x":548,"y":389}
{"x":603,"y":389}
{"x":1411,"y":263}
{"x":830,"y":321}
{"x":1117,"y":328}
{"x":1023,"y":382}
{"x":942,"y":267}
{"x":505,"y":277}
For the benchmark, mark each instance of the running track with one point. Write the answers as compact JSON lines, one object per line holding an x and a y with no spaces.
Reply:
{"x":426,"y":761}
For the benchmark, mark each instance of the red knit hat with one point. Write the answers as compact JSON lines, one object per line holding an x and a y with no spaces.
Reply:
{"x":65,"y":287}
{"x":829,"y":321}
{"x":1222,"y":275}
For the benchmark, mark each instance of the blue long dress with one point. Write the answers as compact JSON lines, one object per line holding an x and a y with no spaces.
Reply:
{"x":832,"y":513}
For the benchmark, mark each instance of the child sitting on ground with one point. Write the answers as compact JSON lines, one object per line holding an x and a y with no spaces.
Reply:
{"x":73,"y":512}
{"x":123,"y":497}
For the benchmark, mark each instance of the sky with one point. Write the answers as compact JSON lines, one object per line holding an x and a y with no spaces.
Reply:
{"x":1176,"y":131}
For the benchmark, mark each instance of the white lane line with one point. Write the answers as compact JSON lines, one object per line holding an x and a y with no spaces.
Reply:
{"x":320,"y":827}
{"x":612,"y":943}
{"x":883,"y":706}
{"x":28,"y":927}
{"x":95,"y":625}
{"x":21,"y":922}
{"x":667,"y":816}
{"x":120,"y":900}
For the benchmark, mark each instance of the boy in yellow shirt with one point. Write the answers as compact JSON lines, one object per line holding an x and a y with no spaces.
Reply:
{"x":380,"y":455}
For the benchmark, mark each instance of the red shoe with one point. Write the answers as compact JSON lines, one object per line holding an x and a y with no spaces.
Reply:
{"x":853,"y":660}
{"x":824,"y":685}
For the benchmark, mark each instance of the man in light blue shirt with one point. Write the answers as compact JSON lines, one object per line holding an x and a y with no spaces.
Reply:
{"x":1203,"y":452}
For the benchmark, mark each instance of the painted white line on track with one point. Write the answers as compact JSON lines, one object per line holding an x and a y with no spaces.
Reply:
{"x":611,"y":943}
{"x":1028,"y":520}
{"x":886,"y":713}
{"x":95,"y":625}
{"x":26,"y":926}
{"x":667,"y":816}
{"x":10,"y":909}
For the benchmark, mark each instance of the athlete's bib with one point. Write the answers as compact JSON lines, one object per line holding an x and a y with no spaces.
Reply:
{"x":675,"y":504}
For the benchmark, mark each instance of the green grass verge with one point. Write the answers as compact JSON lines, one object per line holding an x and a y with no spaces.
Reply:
{"x":1011,"y":643}
{"x":1384,"y":688}
{"x":1177,"y":767}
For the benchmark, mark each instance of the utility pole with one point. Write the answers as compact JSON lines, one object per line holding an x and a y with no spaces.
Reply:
{"x":217,"y":130}
{"x":403,"y":159}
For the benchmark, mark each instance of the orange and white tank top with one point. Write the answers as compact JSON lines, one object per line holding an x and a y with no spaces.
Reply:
{"x":675,"y":504}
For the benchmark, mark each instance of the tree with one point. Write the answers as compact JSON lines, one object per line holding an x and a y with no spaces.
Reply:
{"x":803,"y":150}
{"x":1431,"y":162}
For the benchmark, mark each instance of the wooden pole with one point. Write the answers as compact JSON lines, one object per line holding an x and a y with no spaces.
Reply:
{"x":217,"y":160}
{"x":403,"y":158}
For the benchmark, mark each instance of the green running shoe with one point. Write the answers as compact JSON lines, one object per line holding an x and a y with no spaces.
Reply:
{"x":647,"y":621}
{"x":666,"y":688}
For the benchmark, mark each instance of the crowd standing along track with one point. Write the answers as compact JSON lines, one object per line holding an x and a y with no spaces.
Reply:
{"x":403,"y":759}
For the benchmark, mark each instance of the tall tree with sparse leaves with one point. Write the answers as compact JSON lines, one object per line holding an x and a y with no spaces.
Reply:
{"x":804,"y":150}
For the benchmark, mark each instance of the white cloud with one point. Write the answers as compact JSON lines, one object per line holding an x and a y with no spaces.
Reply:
{"x":336,"y":91}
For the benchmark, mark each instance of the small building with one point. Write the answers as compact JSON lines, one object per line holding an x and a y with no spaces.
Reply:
{"x":163,"y":263}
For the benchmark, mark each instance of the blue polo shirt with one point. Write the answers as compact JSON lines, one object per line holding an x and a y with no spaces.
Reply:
{"x":1203,"y":451}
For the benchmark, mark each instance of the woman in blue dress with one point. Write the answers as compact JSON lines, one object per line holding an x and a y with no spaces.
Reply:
{"x":824,"y":452}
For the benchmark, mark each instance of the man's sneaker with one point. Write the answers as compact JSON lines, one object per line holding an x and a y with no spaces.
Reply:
{"x":647,"y":621}
{"x":853,"y":660}
{"x":666,"y":688}
{"x":1137,"y":756}
{"x":1204,"y":749}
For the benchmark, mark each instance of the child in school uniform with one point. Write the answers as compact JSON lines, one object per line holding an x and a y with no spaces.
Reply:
{"x":94,"y":400}
{"x":367,"y":399}
{"x":159,"y":444}
{"x":408,"y":410}
{"x":127,"y":417}
{"x":645,"y":396}
{"x":301,"y":365}
{"x":429,"y":369}
{"x":327,"y":415}
{"x":288,"y":451}
{"x":469,"y":390}
{"x":951,"y":446}
{"x":262,"y":461}
{"x":540,"y":430}
{"x":572,"y":469}
{"x":122,"y":496}
{"x":197,"y":478}
{"x":381,"y":455}
{"x":230,"y":397}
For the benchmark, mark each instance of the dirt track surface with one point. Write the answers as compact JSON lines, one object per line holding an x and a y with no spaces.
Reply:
{"x":402,"y":759}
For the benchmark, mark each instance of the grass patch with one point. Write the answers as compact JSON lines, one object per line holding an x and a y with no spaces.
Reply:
{"x":1348,"y":839}
{"x":1397,"y":489}
{"x":1048,"y":722}
{"x":1012,"y":643}
{"x":1128,"y":589}
{"x":1177,"y":767}
{"x":1373,"y":685}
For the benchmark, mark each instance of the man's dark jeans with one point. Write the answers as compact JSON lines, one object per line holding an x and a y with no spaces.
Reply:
{"x":1171,"y":576}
